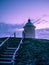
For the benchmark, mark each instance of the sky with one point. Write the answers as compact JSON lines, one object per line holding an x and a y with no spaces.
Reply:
{"x":19,"y":11}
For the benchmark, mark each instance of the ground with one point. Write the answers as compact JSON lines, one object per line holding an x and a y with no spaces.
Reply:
{"x":31,"y":51}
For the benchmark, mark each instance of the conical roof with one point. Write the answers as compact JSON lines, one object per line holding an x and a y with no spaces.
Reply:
{"x":29,"y":24}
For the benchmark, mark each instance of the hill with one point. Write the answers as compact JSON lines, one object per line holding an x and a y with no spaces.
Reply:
{"x":33,"y":52}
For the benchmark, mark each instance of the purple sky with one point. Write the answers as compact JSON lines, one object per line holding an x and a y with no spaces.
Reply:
{"x":18,"y":11}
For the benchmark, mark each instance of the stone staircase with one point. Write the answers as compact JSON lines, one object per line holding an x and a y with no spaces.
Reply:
{"x":6,"y":57}
{"x":8,"y":50}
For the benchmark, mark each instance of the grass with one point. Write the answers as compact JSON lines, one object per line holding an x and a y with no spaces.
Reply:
{"x":33,"y":52}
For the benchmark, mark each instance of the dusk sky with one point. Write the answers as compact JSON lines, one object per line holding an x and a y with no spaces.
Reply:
{"x":18,"y":11}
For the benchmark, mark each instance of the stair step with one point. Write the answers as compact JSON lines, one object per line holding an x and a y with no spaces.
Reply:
{"x":11,"y":48}
{"x":7,"y":56}
{"x":8,"y":53}
{"x":5,"y":59}
{"x":5,"y":63}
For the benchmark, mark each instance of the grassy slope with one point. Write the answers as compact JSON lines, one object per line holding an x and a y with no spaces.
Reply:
{"x":33,"y":52}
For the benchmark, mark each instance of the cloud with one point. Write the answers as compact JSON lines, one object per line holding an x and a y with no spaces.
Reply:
{"x":8,"y":29}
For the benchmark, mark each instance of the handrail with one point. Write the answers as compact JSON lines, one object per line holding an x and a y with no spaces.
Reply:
{"x":13,"y":58}
{"x":4,"y":45}
{"x":5,"y":40}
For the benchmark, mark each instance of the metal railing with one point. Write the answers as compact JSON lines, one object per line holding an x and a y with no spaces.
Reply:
{"x":13,"y":58}
{"x":4,"y":44}
{"x":4,"y":41}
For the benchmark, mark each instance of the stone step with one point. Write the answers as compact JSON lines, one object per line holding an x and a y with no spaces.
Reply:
{"x":5,"y":59}
{"x":5,"y":63}
{"x":8,"y":50}
{"x":11,"y":48}
{"x":6,"y":56}
{"x":8,"y":53}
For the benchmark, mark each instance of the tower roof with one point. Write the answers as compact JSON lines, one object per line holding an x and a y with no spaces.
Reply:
{"x":29,"y":24}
